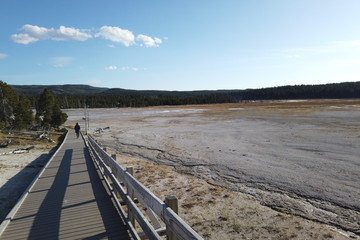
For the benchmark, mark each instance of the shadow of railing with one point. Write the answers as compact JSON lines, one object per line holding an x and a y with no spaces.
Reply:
{"x":54,"y":201}
{"x":12,"y":190}
{"x":103,"y":200}
{"x":70,"y":171}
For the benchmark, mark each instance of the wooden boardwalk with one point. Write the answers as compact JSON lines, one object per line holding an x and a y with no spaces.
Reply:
{"x":68,"y":201}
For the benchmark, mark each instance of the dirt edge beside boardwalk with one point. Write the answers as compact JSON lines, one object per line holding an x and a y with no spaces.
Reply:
{"x":17,"y":171}
{"x":217,"y":212}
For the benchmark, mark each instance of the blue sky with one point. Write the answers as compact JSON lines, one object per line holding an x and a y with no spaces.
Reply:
{"x":179,"y":45}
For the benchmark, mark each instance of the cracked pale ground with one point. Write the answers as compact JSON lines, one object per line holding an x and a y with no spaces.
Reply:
{"x":271,"y":170}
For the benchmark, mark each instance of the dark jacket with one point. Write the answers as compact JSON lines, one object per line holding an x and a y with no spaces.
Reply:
{"x":77,"y":128}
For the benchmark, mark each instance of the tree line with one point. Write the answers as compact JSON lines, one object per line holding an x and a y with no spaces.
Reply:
{"x":16,"y":111}
{"x":120,"y":101}
{"x":323,"y":91}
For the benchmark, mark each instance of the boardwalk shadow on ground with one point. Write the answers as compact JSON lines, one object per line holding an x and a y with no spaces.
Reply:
{"x":12,"y":190}
{"x":55,"y":198}
{"x":54,"y":201}
{"x":69,"y":200}
{"x":103,"y":201}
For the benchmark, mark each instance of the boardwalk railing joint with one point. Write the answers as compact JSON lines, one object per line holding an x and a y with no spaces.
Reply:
{"x":136,"y":197}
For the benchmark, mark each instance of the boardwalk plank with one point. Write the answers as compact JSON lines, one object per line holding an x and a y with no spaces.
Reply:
{"x":69,"y":201}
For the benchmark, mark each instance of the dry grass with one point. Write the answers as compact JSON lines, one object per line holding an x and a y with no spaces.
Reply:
{"x":278,"y":104}
{"x":19,"y":140}
{"x":217,"y":213}
{"x":22,"y":141}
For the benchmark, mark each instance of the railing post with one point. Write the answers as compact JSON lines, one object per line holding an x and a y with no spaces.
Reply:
{"x":113,"y":156}
{"x":106,"y":161}
{"x":156,"y":206}
{"x":172,"y":202}
{"x":130,"y":170}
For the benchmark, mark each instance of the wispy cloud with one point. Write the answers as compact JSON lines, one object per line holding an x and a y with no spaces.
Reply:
{"x":117,"y":34}
{"x":61,"y":61}
{"x":148,"y":41}
{"x":3,"y":55}
{"x":135,"y":69}
{"x":34,"y":33}
{"x":110,"y":68}
{"x":125,"y":68}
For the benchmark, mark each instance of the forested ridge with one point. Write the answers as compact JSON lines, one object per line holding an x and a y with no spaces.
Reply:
{"x":325,"y":91}
{"x":76,"y":96}
{"x":16,"y":102}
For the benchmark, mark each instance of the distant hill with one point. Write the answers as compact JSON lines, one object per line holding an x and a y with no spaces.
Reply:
{"x":67,"y":89}
{"x":79,"y":90}
{"x":76,"y":96}
{"x":124,"y":92}
{"x":321,"y":91}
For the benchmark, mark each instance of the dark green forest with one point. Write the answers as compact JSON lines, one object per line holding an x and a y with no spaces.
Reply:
{"x":111,"y":101}
{"x":16,"y":111}
{"x":101,"y":98}
{"x":76,"y":96}
{"x":325,"y":91}
{"x":17,"y":101}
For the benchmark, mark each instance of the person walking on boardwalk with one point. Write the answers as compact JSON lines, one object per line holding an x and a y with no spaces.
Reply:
{"x":77,"y":130}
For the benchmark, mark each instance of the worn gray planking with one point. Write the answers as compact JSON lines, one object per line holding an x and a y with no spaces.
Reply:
{"x":69,"y":201}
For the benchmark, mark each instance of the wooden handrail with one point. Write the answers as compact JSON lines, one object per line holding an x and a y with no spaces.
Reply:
{"x":176,"y":227}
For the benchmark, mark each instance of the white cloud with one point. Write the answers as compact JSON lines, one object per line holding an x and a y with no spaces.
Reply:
{"x":148,"y":41}
{"x":111,"y":68}
{"x":61,"y":61}
{"x":23,"y":38}
{"x":135,"y":69}
{"x":66,"y":33}
{"x":34,"y":33}
{"x":37,"y":32}
{"x":3,"y":55}
{"x":117,"y":34}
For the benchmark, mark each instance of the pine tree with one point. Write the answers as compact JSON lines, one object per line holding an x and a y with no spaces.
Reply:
{"x":58,"y":117}
{"x":8,"y":100}
{"x":23,"y":114}
{"x":44,"y":108}
{"x":48,"y":112}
